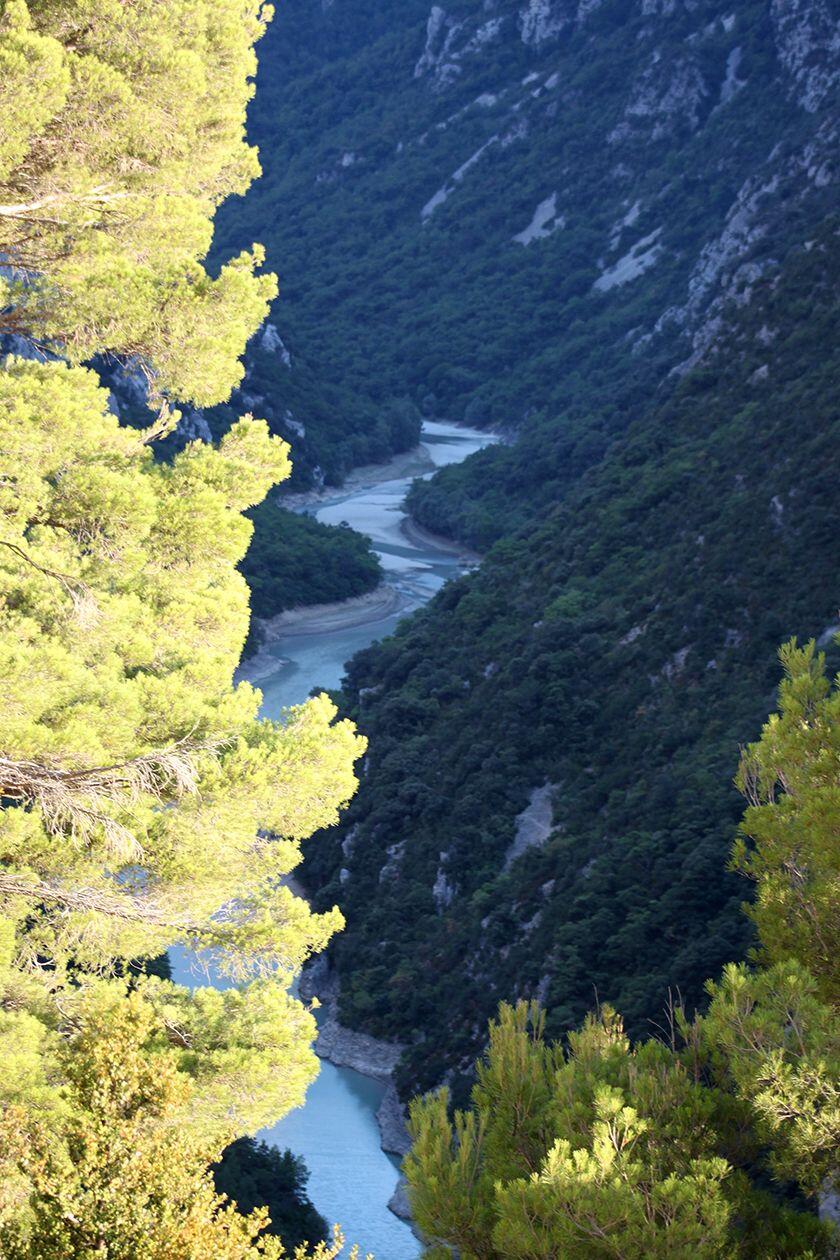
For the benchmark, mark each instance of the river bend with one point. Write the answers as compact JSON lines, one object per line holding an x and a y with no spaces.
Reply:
{"x":351,"y":1178}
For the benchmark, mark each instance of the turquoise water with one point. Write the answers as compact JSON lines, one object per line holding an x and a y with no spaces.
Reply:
{"x":351,"y":1178}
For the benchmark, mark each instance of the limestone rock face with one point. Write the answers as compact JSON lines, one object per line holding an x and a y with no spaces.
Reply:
{"x":808,"y":44}
{"x":542,"y":20}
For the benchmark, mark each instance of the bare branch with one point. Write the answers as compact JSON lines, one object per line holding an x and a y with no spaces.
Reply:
{"x":85,"y":799}
{"x":129,"y":908}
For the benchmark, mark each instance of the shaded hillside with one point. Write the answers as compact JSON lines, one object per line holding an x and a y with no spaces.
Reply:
{"x":620,"y":650}
{"x":518,"y":213}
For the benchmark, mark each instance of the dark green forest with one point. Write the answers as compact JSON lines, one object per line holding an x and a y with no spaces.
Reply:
{"x":254,"y":1174}
{"x":551,"y":845}
{"x":661,"y":515}
{"x":294,"y":559}
{"x":386,"y":315}
{"x":621,"y":649}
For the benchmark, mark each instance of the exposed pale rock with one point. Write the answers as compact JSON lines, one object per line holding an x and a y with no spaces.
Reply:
{"x":390,"y":868}
{"x":251,"y":401}
{"x":633,"y":264}
{"x":808,"y":46}
{"x":455,"y":178}
{"x":485,"y":34}
{"x":534,"y":825}
{"x":440,"y":34}
{"x":545,"y":221}
{"x":398,"y":1202}
{"x":629,"y":220}
{"x":675,"y":665}
{"x":631,"y":636}
{"x":296,"y":426}
{"x":443,"y":892}
{"x":349,"y":841}
{"x":731,"y":85}
{"x":272,"y":343}
{"x":541,"y":20}
{"x":339,"y":1045}
{"x":666,"y":8}
{"x":391,"y":1120}
{"x":518,"y":131}
{"x":658,"y":105}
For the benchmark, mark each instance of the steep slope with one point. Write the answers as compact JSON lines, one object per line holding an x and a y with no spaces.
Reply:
{"x":603,"y":228}
{"x":519,"y":212}
{"x":547,"y":803}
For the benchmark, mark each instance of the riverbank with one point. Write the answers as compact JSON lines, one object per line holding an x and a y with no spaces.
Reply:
{"x":352,"y":1129}
{"x":367,"y":1055}
{"x":416,"y":462}
{"x":345,"y":1047}
{"x":309,"y":619}
{"x":424,"y":538}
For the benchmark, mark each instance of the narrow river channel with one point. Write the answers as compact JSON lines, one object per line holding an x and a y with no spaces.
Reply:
{"x":351,"y":1178}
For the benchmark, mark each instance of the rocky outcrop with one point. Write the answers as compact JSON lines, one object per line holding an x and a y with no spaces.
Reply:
{"x":271,"y":342}
{"x":443,"y":890}
{"x":534,"y":824}
{"x":542,"y":20}
{"x":365,"y":1054}
{"x":344,"y":1046}
{"x":437,"y":58}
{"x":663,"y":99}
{"x":392,"y":1127}
{"x":398,"y":1202}
{"x":634,"y":263}
{"x":545,"y":221}
{"x":808,"y":46}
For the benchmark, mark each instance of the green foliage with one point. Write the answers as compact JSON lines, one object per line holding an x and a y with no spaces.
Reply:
{"x":117,"y":1170}
{"x":607,"y":1151}
{"x":144,"y":802}
{"x":115,"y":1174}
{"x":790,"y":841}
{"x":454,"y":313}
{"x":779,"y":1047}
{"x":294,"y":559}
{"x":660,"y":1149}
{"x":622,"y":649}
{"x":254,"y":1175}
{"x":123,"y":622}
{"x":115,"y":155}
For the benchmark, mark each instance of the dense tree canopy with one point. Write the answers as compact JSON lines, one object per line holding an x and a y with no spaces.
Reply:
{"x":123,"y":130}
{"x":124,"y":619}
{"x":114,"y":1169}
{"x":255,"y":1174}
{"x":667,"y":1148}
{"x":790,"y":841}
{"x":144,"y":802}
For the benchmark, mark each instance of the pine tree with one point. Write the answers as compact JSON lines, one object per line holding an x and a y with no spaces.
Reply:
{"x":123,"y":130}
{"x":143,"y":802}
{"x":605,"y":1149}
{"x":116,"y":1170}
{"x":790,"y":834}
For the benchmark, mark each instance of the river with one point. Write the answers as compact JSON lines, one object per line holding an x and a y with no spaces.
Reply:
{"x":351,"y":1178}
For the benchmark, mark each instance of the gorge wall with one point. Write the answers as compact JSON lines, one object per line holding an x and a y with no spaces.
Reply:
{"x":606,"y":229}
